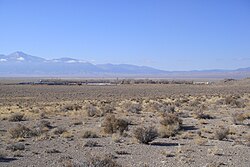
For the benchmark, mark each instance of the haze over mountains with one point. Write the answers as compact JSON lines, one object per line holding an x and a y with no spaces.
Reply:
{"x":21,"y":64}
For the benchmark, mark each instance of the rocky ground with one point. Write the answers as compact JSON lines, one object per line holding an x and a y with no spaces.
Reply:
{"x":125,"y":125}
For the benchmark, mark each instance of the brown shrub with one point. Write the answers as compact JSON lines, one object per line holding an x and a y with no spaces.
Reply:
{"x":132,"y":107}
{"x":107,"y":109}
{"x":113,"y":125}
{"x":91,"y":143}
{"x":91,"y":110}
{"x":89,"y":134}
{"x":234,"y":101}
{"x":71,"y":107}
{"x":221,"y":133}
{"x":104,"y":161}
{"x":59,"y":130}
{"x":170,"y":119}
{"x":238,"y":118}
{"x":145,"y":134}
{"x":170,"y":125}
{"x":16,"y":147}
{"x":21,"y":131}
{"x":17,"y":117}
{"x":199,"y":114}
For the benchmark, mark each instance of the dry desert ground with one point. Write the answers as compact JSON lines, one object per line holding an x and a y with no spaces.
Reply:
{"x":132,"y":125}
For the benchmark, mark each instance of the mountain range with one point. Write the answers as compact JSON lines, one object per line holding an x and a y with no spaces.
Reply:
{"x":24,"y":65}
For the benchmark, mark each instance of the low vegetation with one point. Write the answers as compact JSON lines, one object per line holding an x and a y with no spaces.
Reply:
{"x":145,"y":135}
{"x":21,"y":131}
{"x":170,"y":125}
{"x":112,"y":125}
{"x":134,"y":125}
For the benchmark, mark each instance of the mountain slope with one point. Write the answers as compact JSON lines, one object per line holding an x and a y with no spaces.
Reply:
{"x":20,"y":56}
{"x":21,"y":64}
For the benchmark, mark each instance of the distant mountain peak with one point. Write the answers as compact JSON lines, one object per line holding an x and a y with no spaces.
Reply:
{"x":21,"y":56}
{"x":22,"y":64}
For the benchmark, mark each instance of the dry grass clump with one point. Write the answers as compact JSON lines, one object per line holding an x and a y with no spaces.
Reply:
{"x":91,"y":110}
{"x":132,"y":107}
{"x":238,"y":118}
{"x":67,"y":134}
{"x":89,"y":134}
{"x":21,"y":131}
{"x":145,"y":134}
{"x":195,"y":103}
{"x":16,"y":147}
{"x":71,"y":107}
{"x":112,"y":125}
{"x":104,"y":161}
{"x":221,"y":133}
{"x":199,"y":114}
{"x":107,"y":109}
{"x":44,"y":126}
{"x":169,"y":109}
{"x":232,"y":101}
{"x":91,"y":143}
{"x":153,"y":106}
{"x":200,"y":141}
{"x":160,"y":107}
{"x":59,"y":130}
{"x":16,"y":117}
{"x":170,"y":125}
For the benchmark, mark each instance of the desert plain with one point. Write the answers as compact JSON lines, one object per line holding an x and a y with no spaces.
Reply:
{"x":127,"y":125}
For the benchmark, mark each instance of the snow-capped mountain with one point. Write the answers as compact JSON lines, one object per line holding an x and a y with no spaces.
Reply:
{"x":21,"y":64}
{"x":20,"y":56}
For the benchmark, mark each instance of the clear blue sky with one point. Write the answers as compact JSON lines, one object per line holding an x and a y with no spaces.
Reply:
{"x":169,"y":35}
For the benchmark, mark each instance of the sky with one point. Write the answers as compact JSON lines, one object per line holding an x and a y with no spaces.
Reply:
{"x":169,"y":35}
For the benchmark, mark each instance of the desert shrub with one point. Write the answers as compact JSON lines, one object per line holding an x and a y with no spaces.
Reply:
{"x":91,"y":143}
{"x":168,"y":131}
{"x":59,"y":130}
{"x":162,"y":107}
{"x":170,"y":119}
{"x":199,"y":114}
{"x":153,"y":106}
{"x":113,"y":125}
{"x":42,"y":127}
{"x":247,"y":138}
{"x":234,"y":101}
{"x":107,"y":109}
{"x":89,"y":134}
{"x":221,"y":133}
{"x":170,"y":109}
{"x":104,"y":161}
{"x":194,"y":103}
{"x":71,"y":107}
{"x":238,"y":118}
{"x":21,"y":131}
{"x":145,"y":134}
{"x":132,"y":107}
{"x":91,"y":110}
{"x":170,"y":125}
{"x":16,"y":147}
{"x":45,"y":124}
{"x":16,"y":117}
